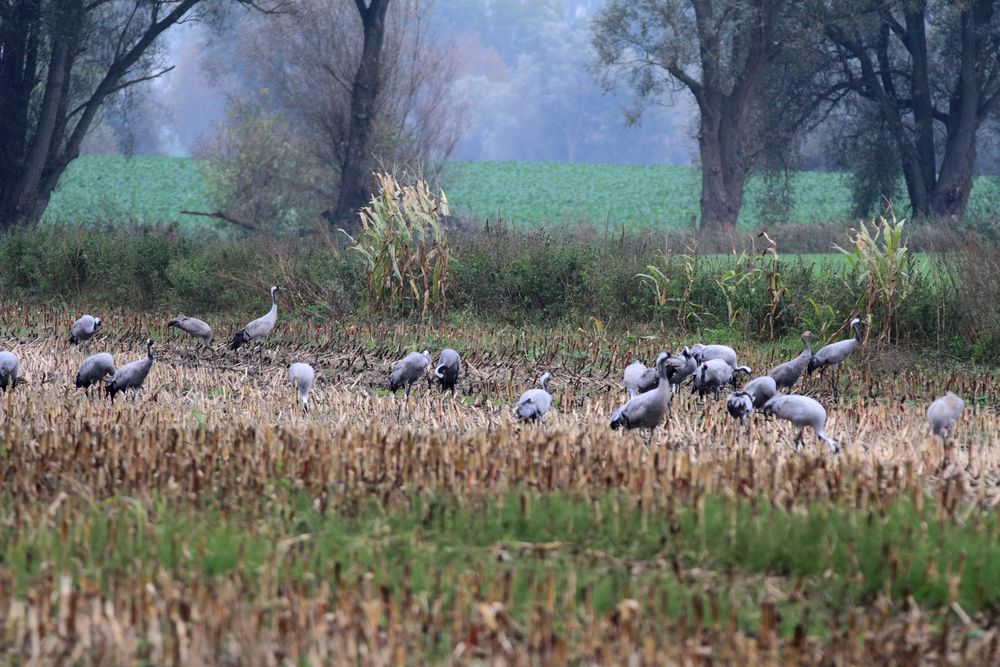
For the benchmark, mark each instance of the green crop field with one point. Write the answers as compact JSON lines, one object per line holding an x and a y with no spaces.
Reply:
{"x":156,"y":189}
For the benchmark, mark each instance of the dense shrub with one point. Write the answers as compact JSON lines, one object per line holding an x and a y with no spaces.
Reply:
{"x":513,"y":277}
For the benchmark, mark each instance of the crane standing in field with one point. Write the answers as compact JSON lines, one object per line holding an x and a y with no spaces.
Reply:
{"x":647,"y":410}
{"x":133,"y":375}
{"x":802,"y":411}
{"x":534,"y":403}
{"x":301,"y":376}
{"x":787,"y":374}
{"x":259,"y":329}
{"x":447,"y":370}
{"x":94,"y":369}
{"x":830,"y":356}
{"x":197,"y":329}
{"x":943,"y":413}
{"x":408,"y":370}
{"x":9,"y":369}
{"x":84,"y":329}
{"x":752,"y":397}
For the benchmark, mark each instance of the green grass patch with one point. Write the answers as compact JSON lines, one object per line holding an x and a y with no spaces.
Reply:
{"x":155,"y":189}
{"x":828,"y":558}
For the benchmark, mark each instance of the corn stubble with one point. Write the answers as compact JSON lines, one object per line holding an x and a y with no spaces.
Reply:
{"x":224,"y":431}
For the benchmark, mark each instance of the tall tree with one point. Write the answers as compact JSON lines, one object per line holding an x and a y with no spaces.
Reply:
{"x":721,"y":52}
{"x":364,"y":93}
{"x":60,"y":60}
{"x":931,"y":68}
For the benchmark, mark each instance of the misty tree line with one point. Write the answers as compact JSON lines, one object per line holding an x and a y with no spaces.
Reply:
{"x":897,"y":88}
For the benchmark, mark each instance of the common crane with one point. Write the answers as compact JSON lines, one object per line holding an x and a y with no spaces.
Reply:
{"x":131,"y":376}
{"x":447,"y":370}
{"x":534,"y":403}
{"x":94,"y":369}
{"x":9,"y":369}
{"x":802,"y":411}
{"x":408,"y":370}
{"x":787,"y":374}
{"x":831,"y":355}
{"x":259,"y":329}
{"x":753,"y":396}
{"x":647,"y":410}
{"x":943,"y":413}
{"x":301,"y":375}
{"x":197,"y":329}
{"x":84,"y":329}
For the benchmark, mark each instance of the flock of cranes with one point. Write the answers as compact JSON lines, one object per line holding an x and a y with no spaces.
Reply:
{"x":710,"y":368}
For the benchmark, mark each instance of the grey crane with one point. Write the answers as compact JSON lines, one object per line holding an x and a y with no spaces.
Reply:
{"x":944,"y":412}
{"x":753,"y":396}
{"x":534,"y":403}
{"x":684,"y":365}
{"x":408,"y":370}
{"x":94,"y":369}
{"x":831,"y":355}
{"x":448,"y":367}
{"x":195,"y":328}
{"x":259,"y":329}
{"x":9,"y":369}
{"x":84,"y":329}
{"x":301,"y":375}
{"x":131,"y":376}
{"x":712,"y":376}
{"x":634,"y":377}
{"x":703,"y":353}
{"x":787,"y":374}
{"x":647,"y":410}
{"x":802,"y":411}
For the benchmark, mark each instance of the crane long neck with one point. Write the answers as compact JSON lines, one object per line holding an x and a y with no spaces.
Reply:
{"x":857,"y":331}
{"x":806,"y":347}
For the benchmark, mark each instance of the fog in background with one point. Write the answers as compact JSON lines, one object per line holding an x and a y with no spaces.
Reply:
{"x":522,"y":72}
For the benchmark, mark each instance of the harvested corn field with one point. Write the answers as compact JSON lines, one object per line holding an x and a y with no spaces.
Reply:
{"x":207,"y":520}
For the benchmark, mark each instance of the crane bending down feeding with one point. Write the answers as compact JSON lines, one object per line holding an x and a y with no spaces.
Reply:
{"x":408,"y":370}
{"x":94,"y":369}
{"x":84,"y":329}
{"x":195,"y":328}
{"x":712,"y":376}
{"x":753,"y":396}
{"x":802,"y":411}
{"x":301,"y":376}
{"x":943,"y":413}
{"x":831,"y":355}
{"x":534,"y":403}
{"x":787,"y":374}
{"x":447,"y":370}
{"x":647,"y":410}
{"x":9,"y":368}
{"x":703,"y":353}
{"x":131,"y":376}
{"x":259,"y":329}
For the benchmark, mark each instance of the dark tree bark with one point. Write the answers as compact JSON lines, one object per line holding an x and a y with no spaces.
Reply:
{"x":736,"y":42}
{"x":894,"y":67}
{"x":40,"y":137}
{"x":354,"y":172}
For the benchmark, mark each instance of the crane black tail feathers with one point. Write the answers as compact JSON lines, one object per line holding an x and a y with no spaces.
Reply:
{"x":111,"y":388}
{"x":618,"y":419}
{"x":813,"y":365}
{"x":239,"y":339}
{"x":73,"y":340}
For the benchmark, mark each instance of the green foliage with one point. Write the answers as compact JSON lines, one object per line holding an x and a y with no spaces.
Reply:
{"x":883,"y":266}
{"x":155,"y":189}
{"x":405,"y":248}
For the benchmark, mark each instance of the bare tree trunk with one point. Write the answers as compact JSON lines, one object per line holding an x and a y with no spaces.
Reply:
{"x":723,"y":168}
{"x":367,"y":82}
